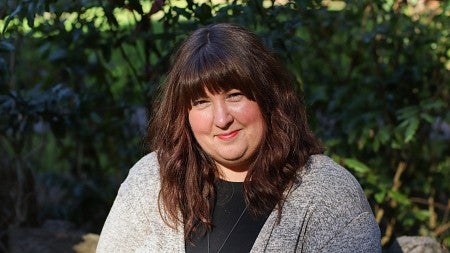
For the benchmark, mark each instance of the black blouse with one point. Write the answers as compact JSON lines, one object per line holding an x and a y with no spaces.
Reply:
{"x":234,"y":230}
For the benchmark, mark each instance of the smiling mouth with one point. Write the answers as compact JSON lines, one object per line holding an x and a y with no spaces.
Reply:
{"x":227,"y":136}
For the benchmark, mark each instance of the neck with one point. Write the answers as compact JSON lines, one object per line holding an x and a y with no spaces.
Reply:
{"x":232,"y":175}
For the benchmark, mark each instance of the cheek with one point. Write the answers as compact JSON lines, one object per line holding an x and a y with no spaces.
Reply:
{"x":199,"y":122}
{"x":251,"y":114}
{"x":255,"y":120}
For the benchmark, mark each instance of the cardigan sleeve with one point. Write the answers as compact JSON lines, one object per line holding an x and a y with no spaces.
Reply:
{"x":127,"y":224}
{"x":360,"y":235}
{"x":341,"y":218}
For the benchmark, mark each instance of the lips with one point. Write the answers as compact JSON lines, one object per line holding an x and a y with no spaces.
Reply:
{"x":227,"y":136}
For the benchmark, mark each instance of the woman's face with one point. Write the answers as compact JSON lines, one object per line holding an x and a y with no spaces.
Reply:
{"x":229,"y":127}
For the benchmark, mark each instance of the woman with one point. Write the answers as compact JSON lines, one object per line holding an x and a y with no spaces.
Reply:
{"x":234,"y":166}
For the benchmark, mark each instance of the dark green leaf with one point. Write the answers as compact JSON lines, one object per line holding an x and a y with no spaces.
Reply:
{"x":11,"y":16}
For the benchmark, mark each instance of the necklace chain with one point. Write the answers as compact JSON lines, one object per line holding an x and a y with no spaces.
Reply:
{"x":229,"y":233}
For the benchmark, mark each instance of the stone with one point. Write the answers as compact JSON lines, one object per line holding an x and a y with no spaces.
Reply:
{"x":416,"y":244}
{"x":88,"y":245}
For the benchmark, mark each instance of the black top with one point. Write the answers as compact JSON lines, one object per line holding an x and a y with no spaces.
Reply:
{"x":234,"y":230}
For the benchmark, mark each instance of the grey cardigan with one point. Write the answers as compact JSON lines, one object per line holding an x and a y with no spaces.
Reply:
{"x":326,"y":211}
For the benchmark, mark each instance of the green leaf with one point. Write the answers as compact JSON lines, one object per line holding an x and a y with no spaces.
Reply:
{"x":411,"y":129}
{"x":427,"y":117}
{"x":399,"y":197}
{"x":376,"y":144}
{"x":11,"y":16}
{"x":422,"y":215}
{"x":356,"y":165}
{"x":384,"y":135}
{"x":432,"y":104}
{"x":379,"y":196}
{"x":407,"y":112}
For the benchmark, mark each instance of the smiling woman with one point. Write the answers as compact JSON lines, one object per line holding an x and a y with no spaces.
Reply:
{"x":234,"y":166}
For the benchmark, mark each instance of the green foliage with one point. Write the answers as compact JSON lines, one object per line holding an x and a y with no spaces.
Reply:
{"x":77,"y":78}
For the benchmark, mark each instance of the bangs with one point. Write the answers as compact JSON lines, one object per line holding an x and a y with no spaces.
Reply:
{"x":215,"y":73}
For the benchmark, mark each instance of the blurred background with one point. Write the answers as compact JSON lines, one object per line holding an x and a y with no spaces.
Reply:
{"x":78,"y":77}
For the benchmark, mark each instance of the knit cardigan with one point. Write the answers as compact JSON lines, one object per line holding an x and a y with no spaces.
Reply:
{"x":325,"y":211}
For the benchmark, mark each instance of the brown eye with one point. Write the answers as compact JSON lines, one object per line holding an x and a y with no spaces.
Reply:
{"x":199,"y":102}
{"x":235,"y":96}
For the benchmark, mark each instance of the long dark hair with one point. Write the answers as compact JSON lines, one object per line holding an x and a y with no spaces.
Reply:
{"x":221,"y":57}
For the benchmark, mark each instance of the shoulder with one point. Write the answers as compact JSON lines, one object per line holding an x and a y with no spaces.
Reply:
{"x":322,"y":167}
{"x":147,"y":166}
{"x":143,"y":174}
{"x":325,"y":180}
{"x":334,"y":206}
{"x":327,"y":190}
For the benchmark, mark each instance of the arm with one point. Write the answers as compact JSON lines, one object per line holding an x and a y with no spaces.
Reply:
{"x":128,"y":224}
{"x":341,"y":218}
{"x":360,"y":235}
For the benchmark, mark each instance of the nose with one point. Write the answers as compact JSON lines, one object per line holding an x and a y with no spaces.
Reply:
{"x":222,"y":116}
